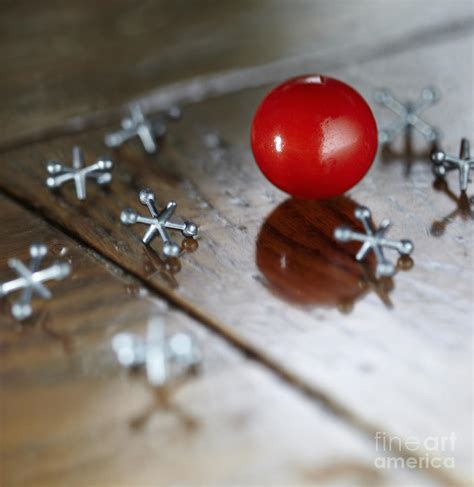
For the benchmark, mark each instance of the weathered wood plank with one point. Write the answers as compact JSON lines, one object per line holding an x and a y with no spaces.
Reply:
{"x":71,"y":416}
{"x":407,"y":368}
{"x":80,"y":57}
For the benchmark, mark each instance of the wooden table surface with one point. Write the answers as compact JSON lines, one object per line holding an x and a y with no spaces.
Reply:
{"x":307,"y":356}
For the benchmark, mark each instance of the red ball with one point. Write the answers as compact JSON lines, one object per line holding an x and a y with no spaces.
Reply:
{"x":314,"y":137}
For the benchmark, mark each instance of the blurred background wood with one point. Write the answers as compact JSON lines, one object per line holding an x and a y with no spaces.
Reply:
{"x":391,"y":356}
{"x":64,"y":59}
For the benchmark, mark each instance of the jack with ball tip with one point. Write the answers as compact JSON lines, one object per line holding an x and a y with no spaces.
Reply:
{"x":408,"y":115}
{"x":444,"y":163}
{"x":59,"y":174}
{"x":31,"y":279}
{"x":164,"y":357}
{"x":159,"y":223}
{"x":138,"y":125}
{"x":374,"y":239}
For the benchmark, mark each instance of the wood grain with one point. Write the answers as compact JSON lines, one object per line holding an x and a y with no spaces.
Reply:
{"x":81,"y":57}
{"x":70,"y":415}
{"x":406,"y":370}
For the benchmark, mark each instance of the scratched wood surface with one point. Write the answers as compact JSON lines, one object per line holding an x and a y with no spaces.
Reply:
{"x":243,"y":221}
{"x":266,"y":275}
{"x":72,"y":416}
{"x":64,"y":59}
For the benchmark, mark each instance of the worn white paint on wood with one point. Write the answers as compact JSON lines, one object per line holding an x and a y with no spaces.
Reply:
{"x":408,"y":369}
{"x":70,"y":415}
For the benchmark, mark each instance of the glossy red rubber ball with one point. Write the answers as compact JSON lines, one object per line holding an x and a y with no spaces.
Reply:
{"x":314,"y":137}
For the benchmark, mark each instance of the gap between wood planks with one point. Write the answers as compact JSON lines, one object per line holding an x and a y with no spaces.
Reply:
{"x":202,"y":87}
{"x":325,"y":400}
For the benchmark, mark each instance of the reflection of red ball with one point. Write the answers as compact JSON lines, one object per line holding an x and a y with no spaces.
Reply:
{"x":314,"y":137}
